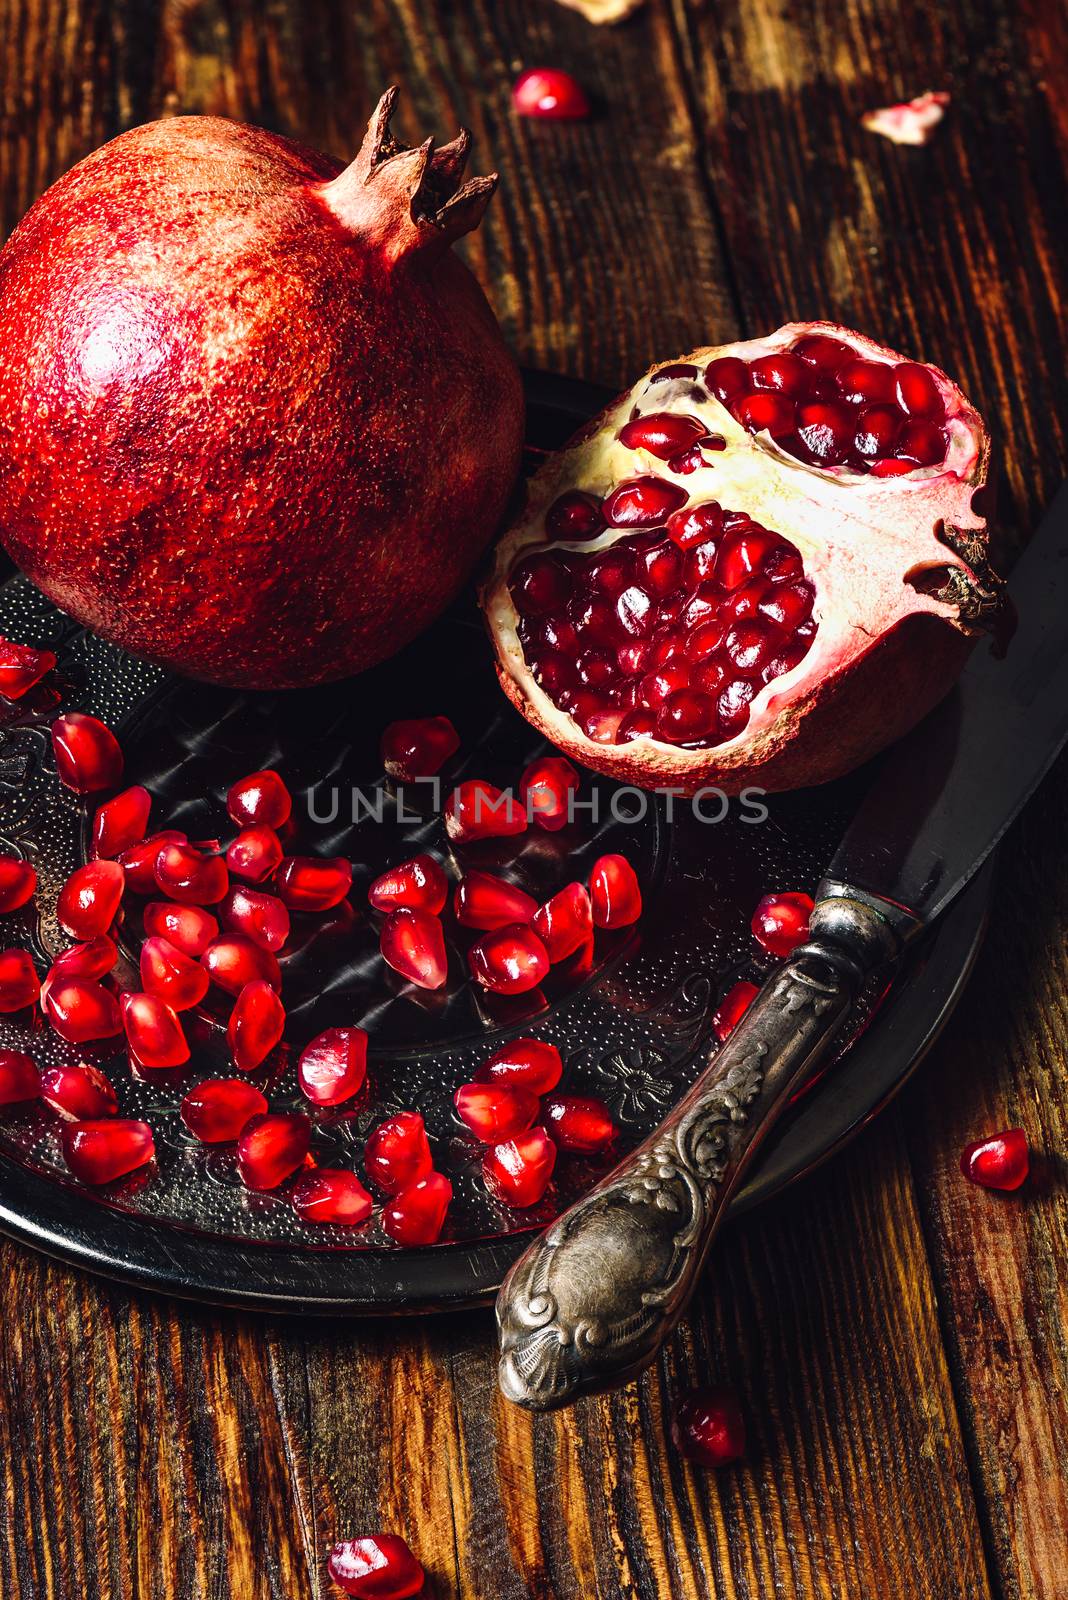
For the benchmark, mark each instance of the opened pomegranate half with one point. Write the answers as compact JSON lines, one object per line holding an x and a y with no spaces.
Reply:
{"x":759,"y":566}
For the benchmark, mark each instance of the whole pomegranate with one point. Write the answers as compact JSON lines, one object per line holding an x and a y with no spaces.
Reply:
{"x":257,"y":421}
{"x":757,"y":567}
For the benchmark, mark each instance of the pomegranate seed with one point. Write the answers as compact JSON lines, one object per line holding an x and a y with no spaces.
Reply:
{"x":87,"y":754}
{"x":525,"y":1064}
{"x":659,"y":567}
{"x":780,"y":922}
{"x":732,"y":1008}
{"x":579,"y":1123}
{"x":418,"y":748}
{"x":234,"y":959}
{"x":78,"y":1093}
{"x":765,"y":412}
{"x":254,"y":854}
{"x":743,"y":554}
{"x":170,"y":975}
{"x":785,"y":373}
{"x":19,"y":983}
{"x":416,"y":885}
{"x":518,"y":1170}
{"x":483,"y":901}
{"x":18,"y":880}
{"x":877,"y":431}
{"x":21,"y":667}
{"x":413,"y":944}
{"x":565,"y":922}
{"x":138,"y":861}
{"x":377,"y":1567}
{"x":748,"y":647}
{"x":89,"y":900}
{"x":190,"y":929}
{"x":332,"y":1068}
{"x":189,"y":877}
{"x":788,"y":605}
{"x":80,"y":1010}
{"x":662,"y":433}
{"x":727,"y":377}
{"x":1001,"y":1161}
{"x":708,"y":1427}
{"x":675,"y":369}
{"x":417,"y":1215}
{"x":476,"y":810}
{"x":643,"y":503}
{"x":217,"y":1111}
{"x":261,"y":916}
{"x":271,"y":1148}
{"x":917,"y":392}
{"x":574,"y":517}
{"x":153,"y":1031}
{"x":549,"y":93}
{"x":398,"y":1153}
{"x":100,"y":1151}
{"x":494,"y":1111}
{"x":256,"y":1024}
{"x":332,"y":1194}
{"x":614,"y":893}
{"x":863,"y":383}
{"x":508,"y":960}
{"x":685,"y":716}
{"x":260,"y":800}
{"x":826,"y":429}
{"x":313,"y":883}
{"x":823,"y":352}
{"x":541,"y":582}
{"x":18,"y":1077}
{"x":546,"y":788}
{"x":122,"y":822}
{"x":94,"y":959}
{"x":921,"y":442}
{"x":732,"y":707}
{"x":891,"y":469}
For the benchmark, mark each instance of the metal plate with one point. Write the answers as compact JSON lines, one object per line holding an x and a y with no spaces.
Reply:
{"x":633,"y":1024}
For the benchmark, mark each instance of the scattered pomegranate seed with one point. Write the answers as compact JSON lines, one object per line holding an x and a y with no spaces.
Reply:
{"x":272,"y":1147}
{"x":234,"y":959}
{"x":189,"y":877}
{"x":19,"y":983}
{"x":254,"y":854}
{"x":416,"y":885}
{"x":780,"y":922}
{"x":261,"y":916}
{"x":93,"y":959}
{"x":546,"y":789}
{"x":417,"y":1214}
{"x":138,"y":861}
{"x":89,"y":900}
{"x":377,"y":1567}
{"x":256,"y":1024}
{"x":87,"y":754}
{"x":216,"y":1112}
{"x":508,"y":960}
{"x":518,"y":1171}
{"x":21,"y":667}
{"x":494,"y":1111}
{"x":333,"y":1067}
{"x":260,"y":800}
{"x":732,"y":1008}
{"x":565,"y":922}
{"x":171,"y":975}
{"x":574,"y":516}
{"x":484,"y":901}
{"x":18,"y":1078}
{"x":413,"y":944}
{"x":313,"y":883}
{"x":78,"y":1093}
{"x":122,"y":822}
{"x":18,"y":880}
{"x":81,"y":1010}
{"x":708,"y":1427}
{"x":101,"y":1151}
{"x":476,"y":810}
{"x":153,"y":1031}
{"x":332,"y":1194}
{"x":398,"y":1153}
{"x":548,"y":93}
{"x":614,"y":893}
{"x":526,"y":1064}
{"x":419,"y":748}
{"x":190,"y":929}
{"x":1000,"y":1161}
{"x":579,"y":1123}
{"x":663,"y":434}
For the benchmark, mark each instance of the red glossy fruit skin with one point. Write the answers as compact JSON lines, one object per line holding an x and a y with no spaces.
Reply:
{"x":550,"y":94}
{"x":153,"y":1031}
{"x":333,"y":1067}
{"x":417,"y":885}
{"x":614,"y":892}
{"x":485,"y":901}
{"x":509,"y":960}
{"x":121,"y":822}
{"x":518,"y":1170}
{"x":313,"y":883}
{"x":271,"y":1148}
{"x":413,"y":944}
{"x":254,"y":854}
{"x":18,"y":880}
{"x":19,"y":1079}
{"x":732,"y":1008}
{"x":185,"y":874}
{"x":78,"y":1093}
{"x":418,"y":748}
{"x":256,"y":1024}
{"x":377,"y":1567}
{"x":19,"y":983}
{"x":332,"y":1194}
{"x":217,"y":1111}
{"x":416,"y":1215}
{"x":261,"y":916}
{"x":708,"y":1427}
{"x":190,"y":928}
{"x":259,"y":800}
{"x":298,"y":351}
{"x":494,"y":1111}
{"x":89,"y":900}
{"x":565,"y":922}
{"x":1000,"y":1161}
{"x":87,"y":753}
{"x":169,"y":973}
{"x":93,"y":959}
{"x":524,"y":1063}
{"x":780,"y":922}
{"x":81,"y":1010}
{"x":100,"y":1151}
{"x":398,"y":1153}
{"x":579,"y":1123}
{"x":234,"y":959}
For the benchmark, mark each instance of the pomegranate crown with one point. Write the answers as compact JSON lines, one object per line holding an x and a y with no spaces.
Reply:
{"x":408,"y":199}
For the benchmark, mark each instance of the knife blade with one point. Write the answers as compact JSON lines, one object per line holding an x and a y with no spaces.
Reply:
{"x":590,"y":1302}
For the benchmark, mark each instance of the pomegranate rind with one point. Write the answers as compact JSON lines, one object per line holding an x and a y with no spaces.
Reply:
{"x":898,"y":605}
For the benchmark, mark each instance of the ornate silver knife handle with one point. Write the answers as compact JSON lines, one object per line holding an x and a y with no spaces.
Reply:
{"x":590,"y":1302}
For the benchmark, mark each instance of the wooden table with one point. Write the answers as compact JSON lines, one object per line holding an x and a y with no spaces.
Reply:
{"x":899,"y":1338}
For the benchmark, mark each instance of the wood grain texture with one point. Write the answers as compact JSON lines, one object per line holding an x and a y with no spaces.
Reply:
{"x":151,"y":1450}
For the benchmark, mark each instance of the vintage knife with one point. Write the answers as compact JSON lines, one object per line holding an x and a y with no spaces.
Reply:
{"x":592,"y":1299}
